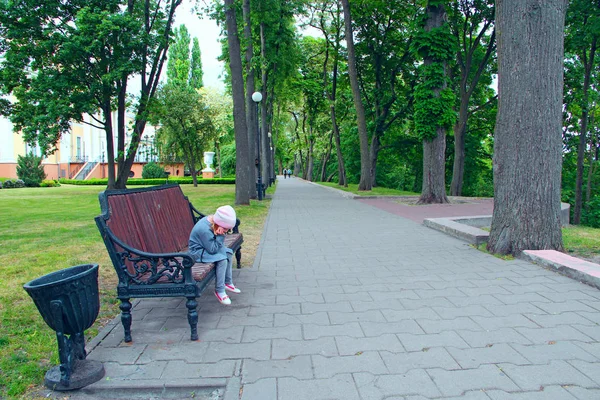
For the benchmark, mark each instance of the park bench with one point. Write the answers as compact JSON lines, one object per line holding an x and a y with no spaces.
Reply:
{"x":146,"y":233}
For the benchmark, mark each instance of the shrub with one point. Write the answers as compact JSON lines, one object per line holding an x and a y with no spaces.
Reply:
{"x":30,"y":170}
{"x":591,"y":213}
{"x":9,"y":184}
{"x":0,"y":184}
{"x":153,"y":170}
{"x":19,"y":183}
{"x":49,"y":183}
{"x":134,"y":182}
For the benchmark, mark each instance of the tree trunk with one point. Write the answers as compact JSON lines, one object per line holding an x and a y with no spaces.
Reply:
{"x":528,"y":141}
{"x":460,"y":131}
{"x":218,"y":148}
{"x":243,"y":183}
{"x":588,"y":188}
{"x":365,"y":162}
{"x":251,"y":122}
{"x":326,"y":157}
{"x":110,"y":144}
{"x":375,"y":146}
{"x":588,"y":65}
{"x":434,"y":150}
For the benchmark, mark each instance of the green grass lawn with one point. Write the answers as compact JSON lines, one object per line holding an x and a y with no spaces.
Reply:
{"x":582,"y":241}
{"x":47,"y":229}
{"x":377,"y":191}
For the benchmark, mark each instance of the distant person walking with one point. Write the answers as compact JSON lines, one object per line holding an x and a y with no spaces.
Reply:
{"x":290,"y":173}
{"x":284,"y":173}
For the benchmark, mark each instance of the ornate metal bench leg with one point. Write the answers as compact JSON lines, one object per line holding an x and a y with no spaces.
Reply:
{"x":191,"y":305}
{"x":238,"y":257}
{"x":125,"y":307}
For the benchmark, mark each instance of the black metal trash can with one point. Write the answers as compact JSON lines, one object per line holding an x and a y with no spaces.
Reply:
{"x":69,"y":302}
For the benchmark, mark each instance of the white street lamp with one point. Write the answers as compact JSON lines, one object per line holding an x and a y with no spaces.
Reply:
{"x":257,"y":97}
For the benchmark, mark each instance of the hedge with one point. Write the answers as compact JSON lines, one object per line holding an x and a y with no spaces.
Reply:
{"x":138,"y":181}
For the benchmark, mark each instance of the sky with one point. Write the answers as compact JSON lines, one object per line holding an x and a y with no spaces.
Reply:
{"x":208,"y":33}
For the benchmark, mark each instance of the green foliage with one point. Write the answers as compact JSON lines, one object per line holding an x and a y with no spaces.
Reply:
{"x":591,"y":213}
{"x":434,"y":102}
{"x":437,"y":44}
{"x":50,"y":183}
{"x":150,"y":182}
{"x":30,"y":170}
{"x":153,"y":170}
{"x":433,"y":111}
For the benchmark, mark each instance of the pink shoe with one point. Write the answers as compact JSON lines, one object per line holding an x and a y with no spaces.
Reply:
{"x":232,"y":289}
{"x":223,"y":299}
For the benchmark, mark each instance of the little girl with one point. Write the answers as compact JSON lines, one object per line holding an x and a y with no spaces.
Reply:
{"x":206,"y":245}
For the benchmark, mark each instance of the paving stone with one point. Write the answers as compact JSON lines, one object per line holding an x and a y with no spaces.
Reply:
{"x":513,"y":309}
{"x":410,"y":304}
{"x":260,"y":390}
{"x":473,"y":358}
{"x":386,"y":342}
{"x":328,"y":367}
{"x":254,"y":333}
{"x":558,"y":308}
{"x":309,"y":298}
{"x":189,"y":351}
{"x":590,"y":331}
{"x":544,"y":353}
{"x":338,"y":387}
{"x":421,"y":313}
{"x":264,"y":320}
{"x":400,"y":363}
{"x":217,"y":351}
{"x":449,"y":292}
{"x":171,"y":336}
{"x":124,"y":354}
{"x":548,"y":393}
{"x":419,"y":342}
{"x":118,"y":372}
{"x":593,"y":349}
{"x":465,"y":323}
{"x":474,"y":395}
{"x":229,"y":335}
{"x":362,"y":306}
{"x":508,"y":321}
{"x":309,"y":308}
{"x":184,"y":370}
{"x":454,"y":383}
{"x":377,"y":387}
{"x":544,"y":335}
{"x":584,"y":393}
{"x":298,"y":367}
{"x":590,"y":369}
{"x":305,"y":291}
{"x":320,"y":318}
{"x":379,"y":328}
{"x":523,"y":298}
{"x":531,"y":377}
{"x":283,"y":348}
{"x":485,"y":338}
{"x":553,"y":320}
{"x":468,"y":311}
{"x":366,"y":316}
{"x":486,"y":299}
{"x":351,"y":329}
{"x":285,"y":309}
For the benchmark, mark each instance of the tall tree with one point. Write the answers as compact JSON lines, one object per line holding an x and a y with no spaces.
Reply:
{"x":583,"y":31}
{"x":366,"y":182}
{"x":87,"y":51}
{"x":186,"y":124}
{"x":196,"y":73}
{"x":243,"y":186}
{"x":528,"y":147}
{"x":471,"y":21}
{"x":178,"y":64}
{"x":433,"y":100}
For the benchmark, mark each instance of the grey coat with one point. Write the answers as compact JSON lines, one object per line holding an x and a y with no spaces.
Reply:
{"x":204,"y":245}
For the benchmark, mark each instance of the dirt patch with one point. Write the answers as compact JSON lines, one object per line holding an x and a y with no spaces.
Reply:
{"x":412,"y":201}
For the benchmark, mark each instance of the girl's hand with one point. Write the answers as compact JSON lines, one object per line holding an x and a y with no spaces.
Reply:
{"x":219,"y":230}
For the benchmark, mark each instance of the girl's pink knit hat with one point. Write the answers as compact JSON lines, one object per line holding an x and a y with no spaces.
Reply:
{"x":225,"y":217}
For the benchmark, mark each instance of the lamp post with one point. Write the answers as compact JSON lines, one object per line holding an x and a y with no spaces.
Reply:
{"x":257,"y":97}
{"x":271,"y":161}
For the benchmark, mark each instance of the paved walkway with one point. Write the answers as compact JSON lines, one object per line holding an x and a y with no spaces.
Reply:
{"x":348,"y":301}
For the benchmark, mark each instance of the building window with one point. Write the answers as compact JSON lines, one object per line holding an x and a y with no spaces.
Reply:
{"x":78,"y":155}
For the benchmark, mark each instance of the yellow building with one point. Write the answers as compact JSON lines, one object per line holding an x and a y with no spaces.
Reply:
{"x":81,"y":152}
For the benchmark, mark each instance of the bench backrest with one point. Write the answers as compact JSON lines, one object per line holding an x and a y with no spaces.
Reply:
{"x":155,"y":220}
